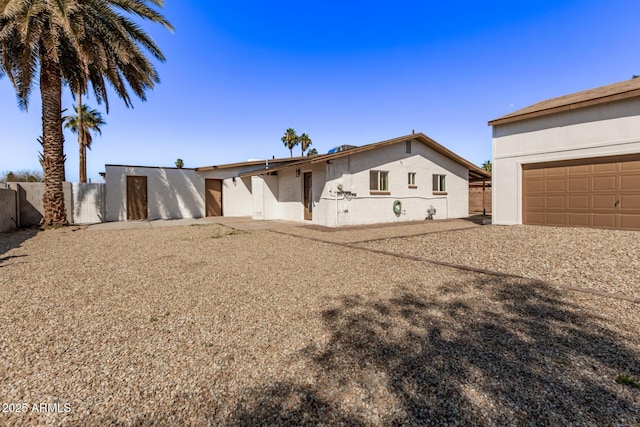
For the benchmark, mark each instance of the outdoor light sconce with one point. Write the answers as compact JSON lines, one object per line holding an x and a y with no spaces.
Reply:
{"x":234,"y":179}
{"x":297,"y":173}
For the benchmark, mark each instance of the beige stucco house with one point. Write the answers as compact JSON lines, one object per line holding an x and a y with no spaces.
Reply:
{"x":394,"y":180}
{"x":570,"y":161}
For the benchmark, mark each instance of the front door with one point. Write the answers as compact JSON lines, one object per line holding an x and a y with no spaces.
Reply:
{"x":213,"y":190}
{"x":137,"y":197}
{"x":307,"y":199}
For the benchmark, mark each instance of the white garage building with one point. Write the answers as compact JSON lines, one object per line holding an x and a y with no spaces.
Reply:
{"x":570,"y":161}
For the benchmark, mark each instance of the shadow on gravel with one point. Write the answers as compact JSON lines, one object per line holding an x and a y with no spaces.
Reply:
{"x":521,"y":356}
{"x":13,"y":239}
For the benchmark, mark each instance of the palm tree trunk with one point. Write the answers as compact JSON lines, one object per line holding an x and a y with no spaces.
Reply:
{"x":83,"y":149}
{"x":52,"y":157}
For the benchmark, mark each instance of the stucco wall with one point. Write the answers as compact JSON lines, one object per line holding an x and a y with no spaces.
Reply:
{"x":366,"y":208}
{"x":605,"y":130}
{"x":171,"y":192}
{"x":30,"y":205}
{"x":8,"y":215}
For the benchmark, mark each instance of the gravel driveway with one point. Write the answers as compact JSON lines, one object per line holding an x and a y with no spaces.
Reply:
{"x":203,"y":325}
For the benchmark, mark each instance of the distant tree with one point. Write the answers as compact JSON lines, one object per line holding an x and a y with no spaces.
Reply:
{"x":89,"y":120}
{"x":22,"y":176}
{"x":290,"y":139}
{"x":179,"y":164}
{"x":312,"y":152}
{"x":487,"y":166}
{"x":305,"y":142}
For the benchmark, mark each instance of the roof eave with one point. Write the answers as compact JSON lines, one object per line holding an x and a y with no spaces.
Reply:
{"x":568,"y":107}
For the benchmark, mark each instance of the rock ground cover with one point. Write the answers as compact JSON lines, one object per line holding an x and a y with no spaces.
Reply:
{"x":203,"y":326}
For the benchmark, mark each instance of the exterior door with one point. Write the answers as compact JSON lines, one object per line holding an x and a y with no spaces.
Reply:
{"x":307,"y":196}
{"x":601,"y":192}
{"x":213,"y":190}
{"x":137,"y":197}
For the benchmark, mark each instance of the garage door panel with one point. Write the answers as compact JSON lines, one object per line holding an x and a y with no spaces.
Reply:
{"x":604,"y":202}
{"x":535,"y":186}
{"x":630,"y":222}
{"x":602,"y":192}
{"x":605,"y":167}
{"x":578,"y":202}
{"x":579,"y":184}
{"x":579,"y":169}
{"x":536,"y":202}
{"x":630,"y":166}
{"x":579,"y":219}
{"x":630,"y":182}
{"x":604,"y":220}
{"x":535,"y":218}
{"x":555,"y":202}
{"x":553,"y":172}
{"x":630,"y":202}
{"x":555,"y":218}
{"x":554,"y":185}
{"x":605,"y":183}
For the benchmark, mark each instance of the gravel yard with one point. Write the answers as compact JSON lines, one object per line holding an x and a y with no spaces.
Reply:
{"x":590,"y":258}
{"x":203,"y":325}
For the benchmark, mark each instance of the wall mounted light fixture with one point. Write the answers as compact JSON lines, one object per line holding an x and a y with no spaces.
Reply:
{"x":297,"y":172}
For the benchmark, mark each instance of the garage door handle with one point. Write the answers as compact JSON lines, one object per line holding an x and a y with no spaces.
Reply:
{"x":617,"y":203}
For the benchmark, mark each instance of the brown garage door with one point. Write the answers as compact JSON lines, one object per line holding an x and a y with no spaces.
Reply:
{"x":602,"y":192}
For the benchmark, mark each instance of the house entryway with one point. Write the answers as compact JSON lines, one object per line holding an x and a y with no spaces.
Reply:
{"x":137,"y":197}
{"x":213,"y":193}
{"x":307,"y":199}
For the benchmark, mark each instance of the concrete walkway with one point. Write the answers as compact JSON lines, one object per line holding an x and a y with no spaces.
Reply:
{"x":239,"y":223}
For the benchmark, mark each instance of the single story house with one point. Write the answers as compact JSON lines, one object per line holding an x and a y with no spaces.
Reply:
{"x":570,"y":161}
{"x":399,"y":179}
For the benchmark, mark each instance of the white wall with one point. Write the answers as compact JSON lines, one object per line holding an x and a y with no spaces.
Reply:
{"x":89,"y":203}
{"x":290,"y":194}
{"x":604,"y":130}
{"x":365,"y":208}
{"x":171,"y":192}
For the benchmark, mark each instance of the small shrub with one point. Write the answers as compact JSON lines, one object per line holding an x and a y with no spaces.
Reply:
{"x":628,"y":380}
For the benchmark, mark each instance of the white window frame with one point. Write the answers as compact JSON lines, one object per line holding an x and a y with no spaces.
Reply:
{"x":411,"y":179}
{"x":381,"y":181}
{"x":439,"y":183}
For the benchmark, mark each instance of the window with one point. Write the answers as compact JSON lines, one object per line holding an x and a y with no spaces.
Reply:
{"x":412,"y":180}
{"x":407,"y":146}
{"x":379,"y":181}
{"x":439,"y":183}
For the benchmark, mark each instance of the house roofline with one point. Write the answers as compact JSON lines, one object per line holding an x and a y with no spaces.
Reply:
{"x":475,"y":173}
{"x":247,"y":163}
{"x":587,"y":98}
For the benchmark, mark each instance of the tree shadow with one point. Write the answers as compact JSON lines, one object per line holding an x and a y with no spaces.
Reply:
{"x":516,"y":355}
{"x":13,"y":239}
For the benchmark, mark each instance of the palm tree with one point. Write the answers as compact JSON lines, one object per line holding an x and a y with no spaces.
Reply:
{"x":305,"y":142}
{"x":487,"y":166}
{"x":312,"y":152}
{"x":89,"y":120}
{"x":290,"y":139}
{"x":74,"y":43}
{"x":179,"y":164}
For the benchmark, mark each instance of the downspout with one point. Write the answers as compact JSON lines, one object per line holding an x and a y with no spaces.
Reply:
{"x":484,"y":209}
{"x":336,"y":208}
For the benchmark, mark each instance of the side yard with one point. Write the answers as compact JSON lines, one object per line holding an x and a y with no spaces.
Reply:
{"x":206,"y":325}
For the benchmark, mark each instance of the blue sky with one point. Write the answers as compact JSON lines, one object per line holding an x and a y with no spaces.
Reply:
{"x":351,"y":72}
